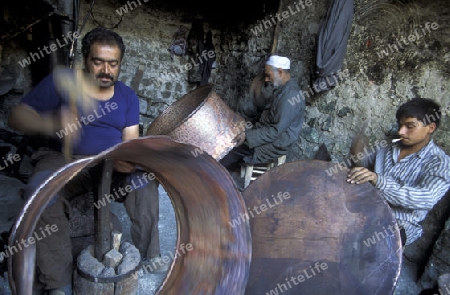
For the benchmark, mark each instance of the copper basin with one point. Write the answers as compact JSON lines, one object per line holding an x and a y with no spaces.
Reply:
{"x":201,"y":118}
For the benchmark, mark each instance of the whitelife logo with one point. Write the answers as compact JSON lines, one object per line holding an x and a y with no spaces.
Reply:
{"x":124,"y":9}
{"x":33,"y":56}
{"x":144,"y":180}
{"x":313,"y":271}
{"x":165,"y":259}
{"x":49,"y":229}
{"x":276,"y":200}
{"x":10,"y":160}
{"x":71,"y":127}
{"x":292,"y":10}
{"x":378,"y":236}
{"x":414,"y":37}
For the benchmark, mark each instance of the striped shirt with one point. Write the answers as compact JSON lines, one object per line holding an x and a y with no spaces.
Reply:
{"x":413,"y":185}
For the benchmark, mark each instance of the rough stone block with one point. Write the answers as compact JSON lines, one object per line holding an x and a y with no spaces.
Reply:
{"x":131,"y":258}
{"x":112,"y":258}
{"x":88,"y":263}
{"x":108,"y":272}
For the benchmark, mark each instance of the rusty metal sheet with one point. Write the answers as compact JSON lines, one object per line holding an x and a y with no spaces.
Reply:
{"x":317,"y":234}
{"x":205,"y":200}
{"x":201,"y":118}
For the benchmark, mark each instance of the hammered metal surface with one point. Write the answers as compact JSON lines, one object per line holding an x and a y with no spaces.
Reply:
{"x":205,"y":201}
{"x":332,"y":237}
{"x":201,"y":118}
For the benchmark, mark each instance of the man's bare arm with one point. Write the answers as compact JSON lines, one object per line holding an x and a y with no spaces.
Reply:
{"x":25,"y":119}
{"x":130,"y":132}
{"x":127,"y":134}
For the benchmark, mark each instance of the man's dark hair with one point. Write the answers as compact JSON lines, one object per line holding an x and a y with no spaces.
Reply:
{"x":102,"y":36}
{"x":423,"y":109}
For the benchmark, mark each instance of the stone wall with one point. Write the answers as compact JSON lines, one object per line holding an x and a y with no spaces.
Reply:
{"x":373,"y":86}
{"x":379,"y":77}
{"x":147,"y":33}
{"x":20,"y":77}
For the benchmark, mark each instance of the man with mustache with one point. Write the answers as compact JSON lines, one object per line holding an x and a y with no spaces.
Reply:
{"x":113,"y":118}
{"x":280,"y":122}
{"x":412,"y":174}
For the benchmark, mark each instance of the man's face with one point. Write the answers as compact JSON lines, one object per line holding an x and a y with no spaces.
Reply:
{"x":103,"y":63}
{"x":272,"y":77}
{"x":412,"y":132}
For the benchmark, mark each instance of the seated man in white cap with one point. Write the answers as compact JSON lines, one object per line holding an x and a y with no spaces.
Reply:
{"x":280,"y":123}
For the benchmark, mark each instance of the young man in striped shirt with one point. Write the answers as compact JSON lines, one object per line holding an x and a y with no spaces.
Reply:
{"x":412,"y":174}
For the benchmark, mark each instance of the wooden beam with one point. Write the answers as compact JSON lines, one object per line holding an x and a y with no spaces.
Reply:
{"x":137,"y":78}
{"x":102,"y":214}
{"x":276,"y":32}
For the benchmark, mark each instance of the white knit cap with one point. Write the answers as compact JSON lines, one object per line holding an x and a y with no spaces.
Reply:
{"x":279,"y":62}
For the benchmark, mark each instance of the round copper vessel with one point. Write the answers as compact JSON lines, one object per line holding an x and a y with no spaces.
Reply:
{"x":314,"y":233}
{"x":206,"y":204}
{"x":201,"y":118}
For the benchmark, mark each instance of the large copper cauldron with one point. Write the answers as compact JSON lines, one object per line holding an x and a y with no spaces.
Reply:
{"x":201,"y":118}
{"x":205,"y":201}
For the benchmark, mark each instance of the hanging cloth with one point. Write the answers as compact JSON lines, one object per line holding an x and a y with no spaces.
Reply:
{"x":332,"y":44}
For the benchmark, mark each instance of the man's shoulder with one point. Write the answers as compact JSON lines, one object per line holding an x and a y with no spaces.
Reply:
{"x":291,"y":94}
{"x":436,"y":151}
{"x":125,"y":90}
{"x":292,"y":85}
{"x":123,"y":87}
{"x":437,"y":155}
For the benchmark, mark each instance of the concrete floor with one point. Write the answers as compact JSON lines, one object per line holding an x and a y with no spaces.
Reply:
{"x":148,"y":283}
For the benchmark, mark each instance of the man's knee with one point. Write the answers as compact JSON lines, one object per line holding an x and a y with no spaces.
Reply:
{"x":47,"y":161}
{"x":33,"y":184}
